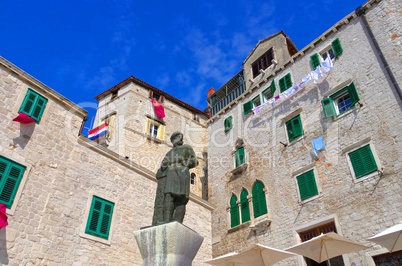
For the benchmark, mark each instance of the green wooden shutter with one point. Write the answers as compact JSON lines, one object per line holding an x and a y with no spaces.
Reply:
{"x":39,"y":108}
{"x":285,"y":82}
{"x":307,"y":185}
{"x":245,"y":207}
{"x":259,"y":201}
{"x":28,"y":103}
{"x":337,"y":47}
{"x":354,"y":96}
{"x":33,"y":105}
{"x":228,"y":123}
{"x":100,"y":217}
{"x":239,"y":157}
{"x":270,"y":91}
{"x":363,"y":161}
{"x":294,"y":128}
{"x":234,"y":212}
{"x":315,"y":60}
{"x":248,"y":107}
{"x":328,"y":107}
{"x":10,"y":178}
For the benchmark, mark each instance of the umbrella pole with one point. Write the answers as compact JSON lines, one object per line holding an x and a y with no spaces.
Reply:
{"x":326,"y":252}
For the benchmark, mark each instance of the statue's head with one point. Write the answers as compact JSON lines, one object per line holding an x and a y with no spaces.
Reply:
{"x":176,"y":138}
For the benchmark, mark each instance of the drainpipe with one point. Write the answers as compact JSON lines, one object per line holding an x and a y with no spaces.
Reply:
{"x":82,"y":125}
{"x":360,"y":11}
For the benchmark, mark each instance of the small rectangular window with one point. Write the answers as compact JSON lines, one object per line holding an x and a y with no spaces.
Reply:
{"x":341,"y":101}
{"x":256,"y":101}
{"x":228,"y":123}
{"x":33,"y":105}
{"x":155,"y":129}
{"x":294,"y":128}
{"x":269,"y":92}
{"x":100,"y":218}
{"x":307,"y":185}
{"x":363,"y":161}
{"x":285,"y":82}
{"x":11,"y":174}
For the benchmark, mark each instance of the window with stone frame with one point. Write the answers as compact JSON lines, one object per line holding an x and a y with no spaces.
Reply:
{"x":269,"y":92}
{"x":192,"y":179}
{"x":307,"y":185}
{"x":341,"y":101}
{"x":294,"y":128}
{"x":228,"y":123}
{"x":285,"y":82}
{"x":363,"y":161}
{"x":263,"y":62}
{"x":99,"y":218}
{"x":33,"y":105}
{"x":11,"y":174}
{"x":155,"y":129}
{"x":333,"y":51}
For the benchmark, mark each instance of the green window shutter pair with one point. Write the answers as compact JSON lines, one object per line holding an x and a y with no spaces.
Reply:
{"x":259,"y":201}
{"x":328,"y":104}
{"x":234,"y":212}
{"x":337,"y":47}
{"x":10,"y":178}
{"x":363,"y":161}
{"x":100,"y":218}
{"x":245,"y":208}
{"x":33,"y":105}
{"x":248,"y":107}
{"x":228,"y":123}
{"x":239,"y":157}
{"x":285,"y":82}
{"x":294,"y":128}
{"x":307,"y":185}
{"x":315,"y":61}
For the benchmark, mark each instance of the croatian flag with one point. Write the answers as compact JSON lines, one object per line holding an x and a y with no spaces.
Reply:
{"x":97,"y":132}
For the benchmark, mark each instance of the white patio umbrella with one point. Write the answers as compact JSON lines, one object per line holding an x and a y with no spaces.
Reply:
{"x":325,"y":247}
{"x":222,"y":260}
{"x":260,"y":255}
{"x":390,"y":238}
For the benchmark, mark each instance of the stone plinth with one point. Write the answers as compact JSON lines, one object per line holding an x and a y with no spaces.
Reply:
{"x":171,"y":244}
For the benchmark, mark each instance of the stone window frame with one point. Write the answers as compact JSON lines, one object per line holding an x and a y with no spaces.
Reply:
{"x":85,"y":217}
{"x":357,"y":145}
{"x":301,"y":171}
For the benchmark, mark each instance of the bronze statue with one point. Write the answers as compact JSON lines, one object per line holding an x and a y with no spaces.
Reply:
{"x":173,"y":190}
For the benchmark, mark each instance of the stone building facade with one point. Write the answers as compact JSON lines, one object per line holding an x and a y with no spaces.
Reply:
{"x":53,"y":179}
{"x":312,"y":146}
{"x":288,"y":152}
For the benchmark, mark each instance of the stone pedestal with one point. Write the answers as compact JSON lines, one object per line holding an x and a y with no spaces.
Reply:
{"x":171,"y":244}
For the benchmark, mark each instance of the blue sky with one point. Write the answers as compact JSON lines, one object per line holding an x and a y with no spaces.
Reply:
{"x":82,"y":48}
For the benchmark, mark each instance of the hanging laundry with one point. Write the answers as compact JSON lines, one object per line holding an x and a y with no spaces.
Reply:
{"x":97,"y":132}
{"x":24,"y":119}
{"x":327,"y":65}
{"x":318,"y":145}
{"x":3,"y":215}
{"x":316,"y":74}
{"x":256,"y":110}
{"x":158,"y":108}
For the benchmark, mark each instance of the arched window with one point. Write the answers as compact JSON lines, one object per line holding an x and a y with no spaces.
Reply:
{"x":234,"y":212}
{"x":259,"y":201}
{"x":244,"y":206}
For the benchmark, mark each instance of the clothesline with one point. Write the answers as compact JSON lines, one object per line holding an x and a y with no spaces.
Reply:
{"x":326,"y":66}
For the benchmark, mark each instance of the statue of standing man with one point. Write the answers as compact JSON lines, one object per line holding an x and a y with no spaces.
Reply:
{"x":173,"y":177}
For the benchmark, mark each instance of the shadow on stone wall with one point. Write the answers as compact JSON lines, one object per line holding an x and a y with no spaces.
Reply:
{"x":26,"y":132}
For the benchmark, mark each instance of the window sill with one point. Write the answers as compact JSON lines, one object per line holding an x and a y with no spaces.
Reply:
{"x":155,"y":139}
{"x":367,"y":176}
{"x":239,"y":227}
{"x":261,"y":221}
{"x":297,"y":139}
{"x":240,"y":169}
{"x":95,"y":238}
{"x":301,"y":202}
